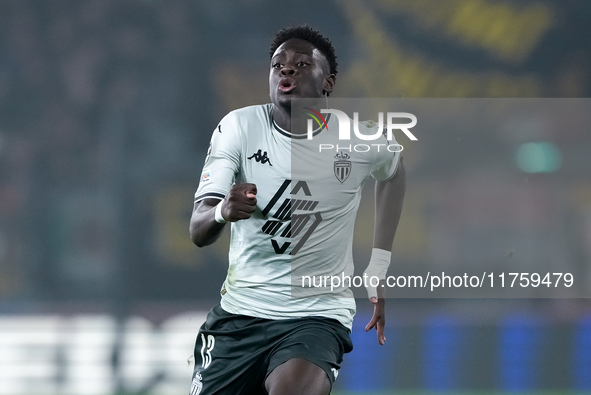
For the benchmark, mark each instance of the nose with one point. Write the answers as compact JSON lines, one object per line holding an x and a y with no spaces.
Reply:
{"x":287,"y":70}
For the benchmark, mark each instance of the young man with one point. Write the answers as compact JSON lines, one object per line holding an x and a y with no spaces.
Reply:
{"x":286,"y":218}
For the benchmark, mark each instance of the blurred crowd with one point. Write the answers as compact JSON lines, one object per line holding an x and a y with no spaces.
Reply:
{"x":71,"y":72}
{"x":104,"y":102}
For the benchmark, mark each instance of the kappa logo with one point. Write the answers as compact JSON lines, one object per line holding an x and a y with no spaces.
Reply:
{"x":342,"y":166}
{"x":261,"y":157}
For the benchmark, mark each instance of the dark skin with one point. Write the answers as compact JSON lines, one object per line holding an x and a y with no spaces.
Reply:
{"x":299,"y":70}
{"x":389,"y":196}
{"x":300,"y":64}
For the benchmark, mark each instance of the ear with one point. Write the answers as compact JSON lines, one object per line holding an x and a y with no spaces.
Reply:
{"x":329,"y":83}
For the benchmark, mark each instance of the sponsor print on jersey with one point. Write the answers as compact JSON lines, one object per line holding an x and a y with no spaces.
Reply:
{"x":208,"y":153}
{"x":287,"y":219}
{"x":205,"y":176}
{"x":335,"y":373}
{"x":209,"y":149}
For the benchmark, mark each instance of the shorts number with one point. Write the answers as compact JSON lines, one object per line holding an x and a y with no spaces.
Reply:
{"x":206,"y":350}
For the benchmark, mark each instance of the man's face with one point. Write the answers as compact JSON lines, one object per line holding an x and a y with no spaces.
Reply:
{"x":298,"y":70}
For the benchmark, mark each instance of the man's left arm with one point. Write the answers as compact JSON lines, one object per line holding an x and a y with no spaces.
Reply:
{"x":389,"y":196}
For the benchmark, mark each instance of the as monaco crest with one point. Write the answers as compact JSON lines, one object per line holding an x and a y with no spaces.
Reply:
{"x":342,"y":166}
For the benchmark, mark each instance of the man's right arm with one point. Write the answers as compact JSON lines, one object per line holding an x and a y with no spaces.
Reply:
{"x":238,"y":204}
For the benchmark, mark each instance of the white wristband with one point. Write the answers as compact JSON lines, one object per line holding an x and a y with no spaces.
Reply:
{"x":377,"y":268}
{"x":219,"y":218}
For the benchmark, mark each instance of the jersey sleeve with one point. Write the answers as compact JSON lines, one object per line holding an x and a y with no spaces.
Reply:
{"x":222,"y":161}
{"x":387,"y":159}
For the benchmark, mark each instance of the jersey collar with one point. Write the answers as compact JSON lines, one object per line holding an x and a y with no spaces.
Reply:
{"x":298,"y":135}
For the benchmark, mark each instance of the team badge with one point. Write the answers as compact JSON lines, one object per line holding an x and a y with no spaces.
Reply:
{"x":196,"y":385}
{"x":342,"y":166}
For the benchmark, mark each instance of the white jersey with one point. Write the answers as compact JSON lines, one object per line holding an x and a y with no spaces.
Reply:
{"x":303,"y":224}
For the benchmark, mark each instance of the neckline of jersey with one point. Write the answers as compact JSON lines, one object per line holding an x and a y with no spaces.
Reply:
{"x":297,"y":136}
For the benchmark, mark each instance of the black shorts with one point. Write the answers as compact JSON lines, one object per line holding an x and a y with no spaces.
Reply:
{"x":234,"y":354}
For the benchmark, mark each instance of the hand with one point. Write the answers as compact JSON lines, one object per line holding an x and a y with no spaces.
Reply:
{"x":240,"y":202}
{"x":378,"y":320}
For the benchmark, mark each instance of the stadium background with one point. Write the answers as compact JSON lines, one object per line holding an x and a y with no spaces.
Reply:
{"x":106,"y":108}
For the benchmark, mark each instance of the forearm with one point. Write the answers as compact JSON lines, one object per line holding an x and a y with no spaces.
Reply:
{"x":204,"y":229}
{"x":239,"y":203}
{"x":389,"y":196}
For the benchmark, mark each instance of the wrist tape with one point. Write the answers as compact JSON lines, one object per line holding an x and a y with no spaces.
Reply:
{"x":218,"y":213}
{"x":378,"y":267}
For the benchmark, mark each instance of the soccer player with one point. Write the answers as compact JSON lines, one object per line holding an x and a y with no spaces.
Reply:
{"x":287,"y":216}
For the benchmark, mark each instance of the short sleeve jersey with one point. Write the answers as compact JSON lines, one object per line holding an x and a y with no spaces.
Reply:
{"x":301,"y":233}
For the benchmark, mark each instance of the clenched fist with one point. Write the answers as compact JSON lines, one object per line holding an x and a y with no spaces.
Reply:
{"x":240,"y":202}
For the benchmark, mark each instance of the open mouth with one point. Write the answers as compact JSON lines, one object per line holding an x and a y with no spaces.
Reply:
{"x":287,"y":85}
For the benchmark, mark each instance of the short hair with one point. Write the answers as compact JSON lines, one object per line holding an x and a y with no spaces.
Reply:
{"x":306,"y":33}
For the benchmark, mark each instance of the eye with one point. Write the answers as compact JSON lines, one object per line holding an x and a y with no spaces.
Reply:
{"x":303,"y":64}
{"x":276,"y":66}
